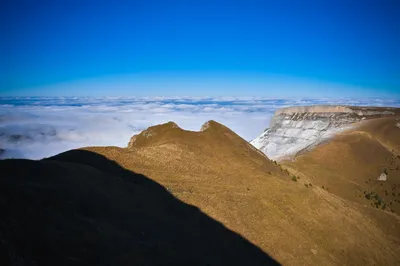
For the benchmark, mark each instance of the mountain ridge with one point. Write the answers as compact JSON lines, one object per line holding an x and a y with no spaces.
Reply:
{"x":226,"y":178}
{"x":296,"y":129}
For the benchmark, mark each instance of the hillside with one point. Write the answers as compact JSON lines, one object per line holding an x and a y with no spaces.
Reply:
{"x":350,"y":164}
{"x":182,"y":197}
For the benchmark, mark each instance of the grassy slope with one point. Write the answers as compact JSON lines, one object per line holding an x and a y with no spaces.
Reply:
{"x":350,"y":164}
{"x":226,"y":178}
{"x":229,"y":181}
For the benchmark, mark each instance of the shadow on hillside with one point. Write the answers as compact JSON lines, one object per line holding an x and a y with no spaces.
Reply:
{"x":79,"y":208}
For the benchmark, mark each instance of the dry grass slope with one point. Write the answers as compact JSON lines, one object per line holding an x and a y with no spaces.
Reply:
{"x":349,"y":165}
{"x":228,"y":179}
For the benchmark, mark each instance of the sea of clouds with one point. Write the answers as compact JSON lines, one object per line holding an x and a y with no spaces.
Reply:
{"x":38,"y":127}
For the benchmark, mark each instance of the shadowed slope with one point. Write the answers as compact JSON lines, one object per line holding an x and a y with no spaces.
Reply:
{"x":79,"y":208}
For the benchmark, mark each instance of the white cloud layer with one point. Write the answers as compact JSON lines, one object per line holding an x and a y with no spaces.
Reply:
{"x":37,"y":127}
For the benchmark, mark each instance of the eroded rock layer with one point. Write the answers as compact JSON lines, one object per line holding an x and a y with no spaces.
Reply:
{"x":295,"y":129}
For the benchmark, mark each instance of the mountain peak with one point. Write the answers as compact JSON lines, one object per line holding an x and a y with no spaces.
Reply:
{"x":211,"y":124}
{"x":172,"y":132}
{"x":151,"y":132}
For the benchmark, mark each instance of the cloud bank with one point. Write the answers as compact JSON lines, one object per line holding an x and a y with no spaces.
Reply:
{"x":38,"y":127}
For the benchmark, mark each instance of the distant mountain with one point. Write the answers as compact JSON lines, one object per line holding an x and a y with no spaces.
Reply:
{"x":178,"y":197}
{"x":295,"y":129}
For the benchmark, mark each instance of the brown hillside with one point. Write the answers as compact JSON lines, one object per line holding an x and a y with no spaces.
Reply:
{"x":350,"y":164}
{"x":232,"y":183}
{"x":235,"y":184}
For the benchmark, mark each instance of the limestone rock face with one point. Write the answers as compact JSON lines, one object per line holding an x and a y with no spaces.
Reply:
{"x":382,"y":177}
{"x":295,"y":129}
{"x":205,"y":126}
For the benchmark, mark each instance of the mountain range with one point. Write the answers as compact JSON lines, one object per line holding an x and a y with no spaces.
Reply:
{"x":208,"y":197}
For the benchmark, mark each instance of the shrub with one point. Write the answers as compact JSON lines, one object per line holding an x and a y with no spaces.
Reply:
{"x":376,"y":197}
{"x":306,"y":185}
{"x":310,"y":185}
{"x":294,"y":179}
{"x":385,"y":171}
{"x":379,"y":202}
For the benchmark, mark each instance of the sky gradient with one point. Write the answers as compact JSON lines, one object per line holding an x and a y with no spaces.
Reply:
{"x":214,"y":48}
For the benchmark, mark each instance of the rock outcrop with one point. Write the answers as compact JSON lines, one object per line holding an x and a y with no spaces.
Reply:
{"x":295,"y":129}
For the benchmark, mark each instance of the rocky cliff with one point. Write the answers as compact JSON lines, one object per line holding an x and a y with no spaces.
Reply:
{"x":295,"y":129}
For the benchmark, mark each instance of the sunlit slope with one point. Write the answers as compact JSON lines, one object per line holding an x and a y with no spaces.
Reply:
{"x":219,"y":172}
{"x":350,"y":164}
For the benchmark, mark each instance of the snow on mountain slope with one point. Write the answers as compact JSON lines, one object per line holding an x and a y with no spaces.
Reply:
{"x":295,"y":129}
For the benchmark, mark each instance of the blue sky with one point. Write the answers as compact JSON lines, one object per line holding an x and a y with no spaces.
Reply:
{"x":215,"y":48}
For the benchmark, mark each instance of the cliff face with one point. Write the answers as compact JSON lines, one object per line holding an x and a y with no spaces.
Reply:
{"x":295,"y":129}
